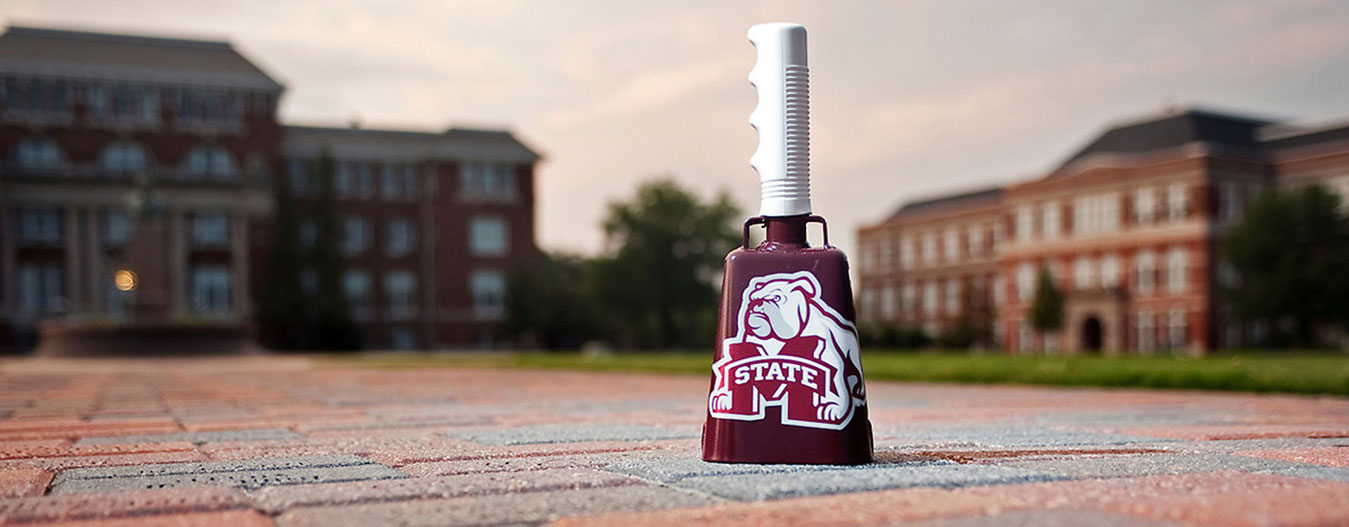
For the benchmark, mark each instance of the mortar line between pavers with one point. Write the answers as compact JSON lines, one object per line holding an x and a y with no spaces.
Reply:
{"x":326,"y":465}
{"x":717,"y":499}
{"x":508,"y":455}
{"x":632,"y":481}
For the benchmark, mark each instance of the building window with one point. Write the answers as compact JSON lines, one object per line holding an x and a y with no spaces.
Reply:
{"x":489,"y":293}
{"x":929,"y":248}
{"x":400,"y":288}
{"x":41,"y":226}
{"x":999,"y":294}
{"x":37,"y":98}
{"x":40,"y":288}
{"x":930,"y":304}
{"x":149,"y":106}
{"x":355,"y":235}
{"x":96,"y":98}
{"x":399,"y":237}
{"x":1145,"y":271}
{"x":344,"y":179}
{"x":1025,"y":281}
{"x":365,"y":179}
{"x":115,"y":301}
{"x":401,"y":338}
{"x":1025,"y":222}
{"x":115,"y":227}
{"x":210,"y":229}
{"x":123,"y":157}
{"x":1146,"y":334}
{"x":1176,"y":202}
{"x":906,"y":252}
{"x":309,"y":282}
{"x":309,"y":233}
{"x":1084,"y":272}
{"x":951,"y":243}
{"x":1110,"y":270}
{"x":975,"y":240}
{"x":1228,"y":207}
{"x":908,"y":300}
{"x":212,"y":162}
{"x":356,"y":286}
{"x":889,"y":303}
{"x":398,"y":181}
{"x":1050,"y":220}
{"x":487,"y":236}
{"x":210,"y":289}
{"x":39,"y":155}
{"x":952,"y":296}
{"x":297,"y":171}
{"x":1095,"y":214}
{"x":487,"y":181}
{"x":1176,"y":329}
{"x":1025,"y":340}
{"x":1175,"y":270}
{"x":1145,"y":206}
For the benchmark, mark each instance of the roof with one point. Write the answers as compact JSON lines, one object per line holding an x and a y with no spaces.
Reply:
{"x":950,"y":203}
{"x":456,"y":143}
{"x":81,"y":54}
{"x":1287,"y":136}
{"x":1173,"y":129}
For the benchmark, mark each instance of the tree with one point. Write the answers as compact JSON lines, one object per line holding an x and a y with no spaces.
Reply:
{"x":331,"y":326}
{"x":551,"y":302}
{"x":666,"y":249}
{"x":1046,"y":310}
{"x":973,"y":328}
{"x":1291,"y":252}
{"x":281,"y":303}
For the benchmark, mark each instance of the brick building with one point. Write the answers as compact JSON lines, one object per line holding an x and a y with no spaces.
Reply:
{"x":431,"y":220}
{"x":1129,"y":227}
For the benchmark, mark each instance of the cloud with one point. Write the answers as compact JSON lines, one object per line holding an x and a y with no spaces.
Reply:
{"x":910,"y":99}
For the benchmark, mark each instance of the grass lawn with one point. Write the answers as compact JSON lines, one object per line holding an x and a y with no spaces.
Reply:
{"x":1293,"y":372}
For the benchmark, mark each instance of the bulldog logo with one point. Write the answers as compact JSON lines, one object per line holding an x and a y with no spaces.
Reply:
{"x":790,"y":350}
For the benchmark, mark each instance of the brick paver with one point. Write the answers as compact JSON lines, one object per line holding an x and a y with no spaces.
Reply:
{"x":281,"y":441}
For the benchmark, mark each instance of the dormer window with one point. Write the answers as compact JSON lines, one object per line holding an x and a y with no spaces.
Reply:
{"x":213,"y":162}
{"x":124,"y":158}
{"x":39,"y":155}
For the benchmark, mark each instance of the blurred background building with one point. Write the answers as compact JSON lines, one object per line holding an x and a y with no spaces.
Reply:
{"x":1128,"y":227}
{"x":430,"y":222}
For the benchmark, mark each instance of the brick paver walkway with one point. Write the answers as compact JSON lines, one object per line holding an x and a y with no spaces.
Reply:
{"x":263,"y":441}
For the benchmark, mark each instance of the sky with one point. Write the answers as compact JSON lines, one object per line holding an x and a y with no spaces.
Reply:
{"x":910,"y":100}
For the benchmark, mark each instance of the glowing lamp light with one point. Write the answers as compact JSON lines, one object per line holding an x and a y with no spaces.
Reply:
{"x":124,"y":280}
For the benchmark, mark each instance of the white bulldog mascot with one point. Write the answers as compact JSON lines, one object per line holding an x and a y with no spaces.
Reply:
{"x":791,"y":350}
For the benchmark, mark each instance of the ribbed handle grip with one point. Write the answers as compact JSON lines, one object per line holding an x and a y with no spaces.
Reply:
{"x":782,"y":118}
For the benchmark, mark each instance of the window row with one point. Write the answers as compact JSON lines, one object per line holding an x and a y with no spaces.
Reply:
{"x":1093,"y":272}
{"x":952,"y":244}
{"x":1165,"y":330}
{"x":121,"y":158}
{"x":487,"y":236}
{"x":399,"y":288}
{"x":130,"y":104}
{"x":930,"y":298}
{"x":358,"y":179}
{"x":1100,"y":213}
{"x":487,"y":182}
{"x":41,"y":290}
{"x":45,"y":226}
